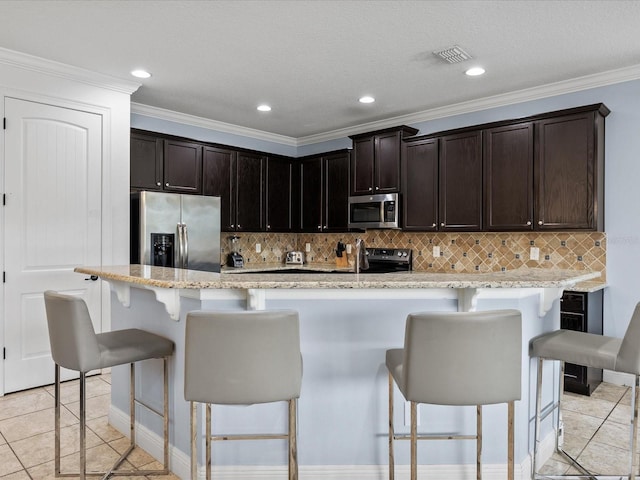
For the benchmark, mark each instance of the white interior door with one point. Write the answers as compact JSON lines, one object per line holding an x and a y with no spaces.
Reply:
{"x":53,"y":164}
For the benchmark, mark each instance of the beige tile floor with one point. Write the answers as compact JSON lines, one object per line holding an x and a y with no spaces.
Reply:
{"x":27,"y":433}
{"x":597,"y":432}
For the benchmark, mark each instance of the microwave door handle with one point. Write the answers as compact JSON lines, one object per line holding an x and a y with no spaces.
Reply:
{"x":382,"y":211}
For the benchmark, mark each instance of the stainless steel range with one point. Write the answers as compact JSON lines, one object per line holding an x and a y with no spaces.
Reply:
{"x":388,"y":260}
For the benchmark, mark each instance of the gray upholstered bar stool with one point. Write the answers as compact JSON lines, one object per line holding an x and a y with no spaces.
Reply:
{"x":457,"y":358}
{"x":242,"y":358}
{"x":76,"y":346}
{"x":598,"y":351}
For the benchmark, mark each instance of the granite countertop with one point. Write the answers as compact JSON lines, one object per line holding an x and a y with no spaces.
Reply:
{"x":163,"y":277}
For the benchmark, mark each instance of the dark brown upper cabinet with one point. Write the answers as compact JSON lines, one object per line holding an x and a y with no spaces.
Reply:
{"x":569,"y":171}
{"x":508,"y":177}
{"x":282,"y":197}
{"x":375,"y":161}
{"x":146,"y":162}
{"x":249,"y":192}
{"x":324,"y":192}
{"x":420,"y":186}
{"x":460,"y":167}
{"x":182,"y":167}
{"x":238,"y":179}
{"x":217,"y":167}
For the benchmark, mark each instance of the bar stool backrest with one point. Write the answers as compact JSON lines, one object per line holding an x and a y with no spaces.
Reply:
{"x":71,"y":335}
{"x":242,"y":357}
{"x":628,"y":360}
{"x":468,"y":358}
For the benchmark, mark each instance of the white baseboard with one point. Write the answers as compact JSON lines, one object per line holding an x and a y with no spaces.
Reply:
{"x":179,"y":463}
{"x":618,"y":378}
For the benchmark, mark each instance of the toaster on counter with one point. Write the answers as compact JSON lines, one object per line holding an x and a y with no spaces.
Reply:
{"x":295,"y":258}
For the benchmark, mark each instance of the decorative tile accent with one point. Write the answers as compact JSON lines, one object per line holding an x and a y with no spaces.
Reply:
{"x":462,"y":252}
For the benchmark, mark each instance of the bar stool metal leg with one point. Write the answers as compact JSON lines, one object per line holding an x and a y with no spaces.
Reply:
{"x":293,"y":445}
{"x":511,"y":440}
{"x":414,"y":441}
{"x":194,"y":440}
{"x":634,"y":429}
{"x":479,"y":442}
{"x":56,"y":394}
{"x":391,"y":430}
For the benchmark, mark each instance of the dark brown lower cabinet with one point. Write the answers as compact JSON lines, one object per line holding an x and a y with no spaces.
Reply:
{"x":581,"y":311}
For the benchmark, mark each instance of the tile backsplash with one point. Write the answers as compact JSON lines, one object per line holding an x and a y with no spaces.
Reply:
{"x":460,"y":252}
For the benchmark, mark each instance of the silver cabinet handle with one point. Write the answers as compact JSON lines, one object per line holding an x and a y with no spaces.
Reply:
{"x":233,"y":226}
{"x":325,"y":227}
{"x":319,"y":227}
{"x":239,"y":226}
{"x":159,"y":184}
{"x":377,"y":188}
{"x":268,"y":227}
{"x":433,"y":225}
{"x":540,"y":222}
{"x":166,"y":184}
{"x":529,"y":223}
{"x":442,"y":224}
{"x":370,"y":188}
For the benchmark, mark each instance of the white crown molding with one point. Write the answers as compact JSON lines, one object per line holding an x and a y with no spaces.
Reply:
{"x":171,"y":116}
{"x":69,"y":72}
{"x":520,"y":96}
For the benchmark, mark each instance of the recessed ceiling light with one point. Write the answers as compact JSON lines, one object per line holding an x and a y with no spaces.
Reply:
{"x":140,"y":74}
{"x":367,"y":99}
{"x":264,"y":108}
{"x":475,"y":71}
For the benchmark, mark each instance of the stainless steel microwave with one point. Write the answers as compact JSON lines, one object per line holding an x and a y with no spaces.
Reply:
{"x":374,"y":211}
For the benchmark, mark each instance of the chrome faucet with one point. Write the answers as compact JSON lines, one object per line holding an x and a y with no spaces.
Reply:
{"x":361,"y":256}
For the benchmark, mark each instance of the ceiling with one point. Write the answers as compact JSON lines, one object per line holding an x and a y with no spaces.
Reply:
{"x":312,"y":59}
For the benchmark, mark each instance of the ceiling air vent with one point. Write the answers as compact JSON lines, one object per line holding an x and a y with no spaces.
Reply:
{"x":453,"y":54}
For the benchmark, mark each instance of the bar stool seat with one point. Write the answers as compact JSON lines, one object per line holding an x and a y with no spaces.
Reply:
{"x":242,"y":358}
{"x":457,"y":358}
{"x":76,"y":346}
{"x":591,"y":350}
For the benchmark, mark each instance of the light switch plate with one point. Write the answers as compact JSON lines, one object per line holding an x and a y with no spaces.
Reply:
{"x":348,"y":249}
{"x":307,"y":247}
{"x":258,"y":248}
{"x":436,"y":251}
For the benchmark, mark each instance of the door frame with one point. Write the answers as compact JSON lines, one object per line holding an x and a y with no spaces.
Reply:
{"x":107,"y":215}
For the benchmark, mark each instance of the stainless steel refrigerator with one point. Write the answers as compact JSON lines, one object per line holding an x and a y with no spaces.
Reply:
{"x":173,"y":230}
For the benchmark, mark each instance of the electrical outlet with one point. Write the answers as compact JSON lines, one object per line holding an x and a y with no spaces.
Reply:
{"x":348,"y":249}
{"x":258,"y":248}
{"x":436,"y":251}
{"x":307,"y":247}
{"x":534,"y":253}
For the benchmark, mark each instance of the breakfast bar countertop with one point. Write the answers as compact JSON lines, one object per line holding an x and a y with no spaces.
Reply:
{"x":163,"y":277}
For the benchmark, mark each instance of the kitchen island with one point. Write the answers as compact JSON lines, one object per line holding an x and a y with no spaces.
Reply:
{"x":347,"y":322}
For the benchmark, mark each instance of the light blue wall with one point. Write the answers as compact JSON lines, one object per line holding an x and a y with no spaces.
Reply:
{"x":622,"y":178}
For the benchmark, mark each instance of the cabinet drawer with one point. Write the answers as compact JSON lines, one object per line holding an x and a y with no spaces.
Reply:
{"x":573,"y":302}
{"x":573,"y":321}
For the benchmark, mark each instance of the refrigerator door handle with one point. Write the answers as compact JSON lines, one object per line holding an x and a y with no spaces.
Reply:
{"x":180,"y":262}
{"x":185,"y":243}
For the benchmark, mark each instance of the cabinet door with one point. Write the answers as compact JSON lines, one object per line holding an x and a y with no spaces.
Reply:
{"x":311,"y":194}
{"x":387,"y":163}
{"x":461,"y":182}
{"x":336,"y":198}
{"x":249,"y":192}
{"x":420,"y":186}
{"x":508,"y":173}
{"x":279,"y":195}
{"x":362,"y":166}
{"x":217,"y":177}
{"x":565,"y":173}
{"x":146,"y":162}
{"x":182,"y":167}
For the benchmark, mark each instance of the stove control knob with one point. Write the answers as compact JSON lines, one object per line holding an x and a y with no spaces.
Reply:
{"x":399,"y":253}
{"x":405,"y":254}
